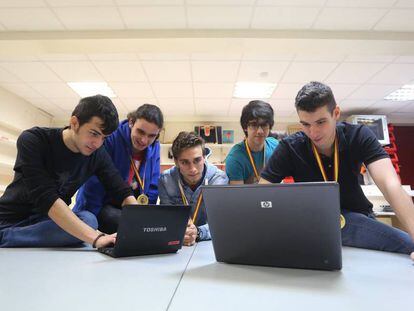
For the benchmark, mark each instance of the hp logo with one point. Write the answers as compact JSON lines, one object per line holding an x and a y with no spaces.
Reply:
{"x":266,"y":204}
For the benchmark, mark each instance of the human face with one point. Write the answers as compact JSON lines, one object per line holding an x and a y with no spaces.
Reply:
{"x":88,"y":137}
{"x":257,"y":131}
{"x":190,"y":162}
{"x":320,"y":126}
{"x":143,"y":134}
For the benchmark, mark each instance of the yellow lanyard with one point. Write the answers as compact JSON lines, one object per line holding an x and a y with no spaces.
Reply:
{"x":336,"y":161}
{"x":336,"y":169}
{"x":249,"y":153}
{"x":185,"y":201}
{"x":140,"y":181}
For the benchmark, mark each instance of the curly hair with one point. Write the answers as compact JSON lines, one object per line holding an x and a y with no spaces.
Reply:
{"x":186,"y":140}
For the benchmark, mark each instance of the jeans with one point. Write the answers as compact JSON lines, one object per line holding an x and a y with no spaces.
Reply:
{"x":41,"y":231}
{"x":109,"y":218}
{"x":366,"y":232}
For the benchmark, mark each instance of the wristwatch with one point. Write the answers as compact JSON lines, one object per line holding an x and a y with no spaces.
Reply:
{"x":198,"y":234}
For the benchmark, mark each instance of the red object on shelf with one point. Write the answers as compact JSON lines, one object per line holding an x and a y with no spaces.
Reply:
{"x":391,"y":149}
{"x":394,"y":158}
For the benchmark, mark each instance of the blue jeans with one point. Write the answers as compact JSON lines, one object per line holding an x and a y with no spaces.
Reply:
{"x":367,"y":232}
{"x":41,"y":231}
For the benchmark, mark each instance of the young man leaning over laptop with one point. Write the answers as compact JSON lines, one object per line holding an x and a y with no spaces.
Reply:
{"x":51,"y":164}
{"x":182,"y":183}
{"x":327,"y":150}
{"x":135,"y":151}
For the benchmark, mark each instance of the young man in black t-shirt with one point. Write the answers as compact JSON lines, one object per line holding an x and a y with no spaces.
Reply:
{"x":51,"y":164}
{"x":310,"y":156}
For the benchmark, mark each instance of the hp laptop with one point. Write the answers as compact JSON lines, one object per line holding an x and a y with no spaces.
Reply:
{"x":149,"y":229}
{"x":283,"y":225}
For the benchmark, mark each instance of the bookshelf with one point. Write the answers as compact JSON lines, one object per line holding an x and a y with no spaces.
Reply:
{"x":217,"y":157}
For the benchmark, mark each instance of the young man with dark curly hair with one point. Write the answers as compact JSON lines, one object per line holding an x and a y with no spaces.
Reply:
{"x":246,"y":159}
{"x":182,"y":183}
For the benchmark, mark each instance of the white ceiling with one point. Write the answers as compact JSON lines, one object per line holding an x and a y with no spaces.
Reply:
{"x":187,"y":55}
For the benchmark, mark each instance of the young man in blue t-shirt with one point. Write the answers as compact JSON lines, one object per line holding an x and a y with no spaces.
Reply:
{"x":246,"y":159}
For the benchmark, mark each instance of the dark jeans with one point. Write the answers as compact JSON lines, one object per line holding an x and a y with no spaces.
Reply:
{"x":108,"y":219}
{"x":41,"y":231}
{"x":367,"y":232}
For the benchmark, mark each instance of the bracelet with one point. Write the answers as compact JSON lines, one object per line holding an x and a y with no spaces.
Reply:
{"x":96,"y":239}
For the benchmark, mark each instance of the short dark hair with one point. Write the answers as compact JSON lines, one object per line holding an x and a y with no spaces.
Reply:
{"x":313,"y":96}
{"x":97,"y":106}
{"x":254,"y":110}
{"x":150,"y":113}
{"x":186,"y":140}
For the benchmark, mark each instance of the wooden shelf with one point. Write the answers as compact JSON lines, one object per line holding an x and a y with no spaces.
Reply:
{"x":218,"y":156}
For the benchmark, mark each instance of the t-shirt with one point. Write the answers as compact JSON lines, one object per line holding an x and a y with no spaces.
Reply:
{"x":132,"y":179}
{"x":238,"y":165}
{"x":357,"y":144}
{"x":46,"y":170}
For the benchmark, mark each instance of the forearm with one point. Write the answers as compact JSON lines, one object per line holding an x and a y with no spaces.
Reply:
{"x":386,"y":179}
{"x":62,"y":215}
{"x":403,"y":206}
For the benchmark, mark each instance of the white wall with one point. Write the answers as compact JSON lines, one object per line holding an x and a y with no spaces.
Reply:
{"x":173,"y":127}
{"x":16,"y":114}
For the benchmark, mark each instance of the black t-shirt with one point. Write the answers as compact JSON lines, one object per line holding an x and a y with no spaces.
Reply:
{"x":46,"y":170}
{"x":357,"y":145}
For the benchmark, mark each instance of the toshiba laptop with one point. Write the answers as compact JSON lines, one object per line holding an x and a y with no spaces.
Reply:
{"x":149,"y":229}
{"x":283,"y":225}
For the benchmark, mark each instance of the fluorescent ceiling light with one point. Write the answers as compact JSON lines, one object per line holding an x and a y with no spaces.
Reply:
{"x":253,"y":90}
{"x":406,"y":92}
{"x":85,"y":89}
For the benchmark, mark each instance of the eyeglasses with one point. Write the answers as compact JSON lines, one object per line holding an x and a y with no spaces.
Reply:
{"x":255,"y":126}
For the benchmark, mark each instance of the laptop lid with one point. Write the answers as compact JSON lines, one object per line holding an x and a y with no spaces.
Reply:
{"x":283,"y":225}
{"x":151,"y":229}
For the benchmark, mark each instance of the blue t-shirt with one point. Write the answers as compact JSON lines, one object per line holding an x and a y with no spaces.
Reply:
{"x":238,"y":166}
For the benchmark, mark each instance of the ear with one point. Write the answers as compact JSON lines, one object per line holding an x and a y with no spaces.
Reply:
{"x":74,"y":123}
{"x":176,"y":162}
{"x":336,"y":113}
